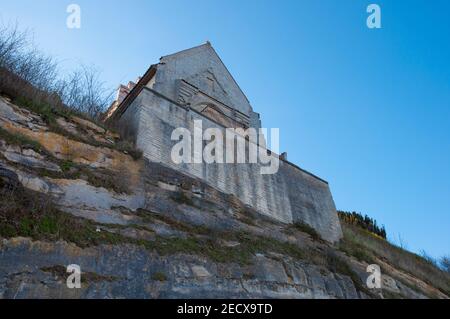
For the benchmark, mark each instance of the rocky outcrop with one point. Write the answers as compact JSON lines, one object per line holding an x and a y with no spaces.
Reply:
{"x":26,"y":157}
{"x":24,"y":274}
{"x":161,"y":234}
{"x":64,"y":147}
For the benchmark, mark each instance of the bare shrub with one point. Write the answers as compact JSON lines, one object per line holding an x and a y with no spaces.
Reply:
{"x":428,"y":258}
{"x":127,"y":134}
{"x":444,"y":262}
{"x":12,"y":42}
{"x":83,"y":91}
{"x":30,"y":74}
{"x":126,"y":131}
{"x":33,"y":80}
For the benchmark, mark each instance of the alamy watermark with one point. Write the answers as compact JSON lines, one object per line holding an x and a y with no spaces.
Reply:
{"x":374,"y":279}
{"x":74,"y":279}
{"x":74,"y":18}
{"x":374,"y":19}
{"x":237,"y":145}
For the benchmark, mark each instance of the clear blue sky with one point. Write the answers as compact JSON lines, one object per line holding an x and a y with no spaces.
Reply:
{"x":368,"y":110}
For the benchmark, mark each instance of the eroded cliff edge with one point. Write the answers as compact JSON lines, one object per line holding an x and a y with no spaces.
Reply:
{"x":73,"y":194}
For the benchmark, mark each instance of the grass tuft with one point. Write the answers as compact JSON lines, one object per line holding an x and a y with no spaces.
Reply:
{"x":305,"y":228}
{"x":159,"y":276}
{"x":20,"y":140}
{"x":366,"y":246}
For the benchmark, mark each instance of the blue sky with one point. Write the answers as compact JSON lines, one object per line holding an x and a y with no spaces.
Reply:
{"x":367,"y":110}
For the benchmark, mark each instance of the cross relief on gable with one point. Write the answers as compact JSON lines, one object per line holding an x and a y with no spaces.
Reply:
{"x":207,"y":82}
{"x":191,"y":96}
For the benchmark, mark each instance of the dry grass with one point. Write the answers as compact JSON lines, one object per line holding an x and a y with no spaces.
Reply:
{"x":50,"y":113}
{"x":159,"y":276}
{"x":33,"y":79}
{"x":99,"y":177}
{"x":60,"y":272}
{"x":305,"y":228}
{"x":366,"y":246}
{"x":29,"y":214}
{"x":27,"y":72}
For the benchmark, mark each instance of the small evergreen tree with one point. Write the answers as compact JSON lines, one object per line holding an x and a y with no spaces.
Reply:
{"x":365,"y":222}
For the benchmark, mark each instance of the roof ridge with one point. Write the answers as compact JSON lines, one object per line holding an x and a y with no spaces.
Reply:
{"x":207,"y":43}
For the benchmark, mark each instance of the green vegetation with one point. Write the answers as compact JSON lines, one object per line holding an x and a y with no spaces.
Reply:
{"x":20,"y":140}
{"x":392,"y":295}
{"x":29,"y":214}
{"x":209,"y":247}
{"x":151,"y":217}
{"x":182,"y":198}
{"x":59,"y":271}
{"x":197,"y":242}
{"x":305,"y":228}
{"x":352,"y":247}
{"x":102,"y":178}
{"x":445,"y":264}
{"x":96,"y":177}
{"x":364,"y":222}
{"x":368,"y":247}
{"x":33,"y":80}
{"x":337,"y":264}
{"x":159,"y":276}
{"x":45,"y":110}
{"x":128,"y":148}
{"x":246,"y":220}
{"x":246,"y":215}
{"x":50,"y":113}
{"x":66,"y":166}
{"x":366,"y":241}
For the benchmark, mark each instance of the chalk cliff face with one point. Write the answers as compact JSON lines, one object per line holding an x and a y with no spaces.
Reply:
{"x":72,"y":195}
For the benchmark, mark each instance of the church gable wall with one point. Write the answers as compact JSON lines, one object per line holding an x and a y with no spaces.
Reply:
{"x":288,"y":196}
{"x":202,"y":68}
